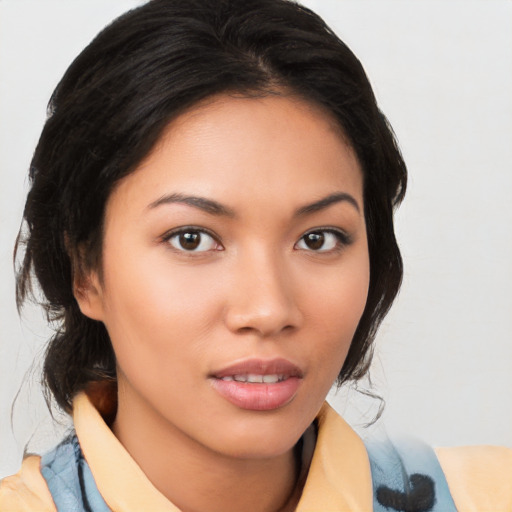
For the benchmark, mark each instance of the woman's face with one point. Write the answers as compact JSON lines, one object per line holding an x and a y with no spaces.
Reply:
{"x":235,"y":272}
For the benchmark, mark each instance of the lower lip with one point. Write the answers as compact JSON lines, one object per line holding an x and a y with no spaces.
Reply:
{"x":257,"y":397}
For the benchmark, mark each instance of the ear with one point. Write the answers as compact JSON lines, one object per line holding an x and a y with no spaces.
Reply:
{"x":88,"y":292}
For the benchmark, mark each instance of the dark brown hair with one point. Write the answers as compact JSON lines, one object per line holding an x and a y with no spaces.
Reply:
{"x":110,"y":109}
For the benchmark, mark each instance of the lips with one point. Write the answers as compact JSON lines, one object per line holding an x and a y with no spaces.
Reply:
{"x":257,"y":384}
{"x":255,"y":379}
{"x":260,"y":367}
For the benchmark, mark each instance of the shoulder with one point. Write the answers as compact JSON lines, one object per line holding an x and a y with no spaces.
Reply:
{"x":467,"y":479}
{"x":479,"y":477}
{"x":26,"y":490}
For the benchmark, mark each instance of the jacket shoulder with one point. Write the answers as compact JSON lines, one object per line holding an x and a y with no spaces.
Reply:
{"x":26,"y":491}
{"x":479,"y":477}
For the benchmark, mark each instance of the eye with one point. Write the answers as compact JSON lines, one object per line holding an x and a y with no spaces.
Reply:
{"x":323,"y":240}
{"x":192,"y":240}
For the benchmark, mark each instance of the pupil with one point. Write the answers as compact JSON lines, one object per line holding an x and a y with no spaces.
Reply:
{"x":190,"y":241}
{"x":315,"y":240}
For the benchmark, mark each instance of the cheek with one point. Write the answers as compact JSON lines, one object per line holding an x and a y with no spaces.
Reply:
{"x":339,"y":300}
{"x":337,"y":307}
{"x":157,"y":314}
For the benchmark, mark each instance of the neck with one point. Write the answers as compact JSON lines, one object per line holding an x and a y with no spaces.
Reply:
{"x":195,"y":478}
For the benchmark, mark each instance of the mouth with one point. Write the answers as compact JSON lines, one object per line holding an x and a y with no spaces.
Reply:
{"x":258,"y":385}
{"x":252,"y":378}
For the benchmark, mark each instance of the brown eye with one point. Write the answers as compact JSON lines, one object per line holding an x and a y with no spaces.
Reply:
{"x":323,"y":240}
{"x":193,"y":241}
{"x":190,"y":241}
{"x":314,"y":241}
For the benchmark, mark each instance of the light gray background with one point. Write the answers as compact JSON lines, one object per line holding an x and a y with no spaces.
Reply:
{"x":442,"y":72}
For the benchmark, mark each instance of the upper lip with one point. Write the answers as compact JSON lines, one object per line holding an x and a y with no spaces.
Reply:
{"x":277,"y":366}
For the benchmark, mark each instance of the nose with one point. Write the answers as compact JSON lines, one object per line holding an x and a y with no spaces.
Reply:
{"x":262,"y":298}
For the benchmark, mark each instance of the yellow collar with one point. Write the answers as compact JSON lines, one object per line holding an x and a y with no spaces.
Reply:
{"x":339,"y":477}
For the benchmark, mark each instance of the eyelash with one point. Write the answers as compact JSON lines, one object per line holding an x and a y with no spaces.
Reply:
{"x":190,"y":230}
{"x":342,"y":238}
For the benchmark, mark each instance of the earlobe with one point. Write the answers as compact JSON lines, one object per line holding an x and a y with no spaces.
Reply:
{"x":89,"y":296}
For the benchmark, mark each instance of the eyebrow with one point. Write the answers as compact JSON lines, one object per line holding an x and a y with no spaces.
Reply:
{"x":331,"y":199}
{"x":215,"y":208}
{"x":207,"y":205}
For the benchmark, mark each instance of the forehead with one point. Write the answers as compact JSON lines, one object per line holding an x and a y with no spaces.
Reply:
{"x":241,"y":150}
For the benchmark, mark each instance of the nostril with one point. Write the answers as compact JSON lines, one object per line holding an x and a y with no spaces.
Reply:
{"x":249,"y":329}
{"x":243,"y":330}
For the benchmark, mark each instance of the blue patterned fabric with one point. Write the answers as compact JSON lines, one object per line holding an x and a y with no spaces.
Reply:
{"x":70,"y":480}
{"x":407,"y":477}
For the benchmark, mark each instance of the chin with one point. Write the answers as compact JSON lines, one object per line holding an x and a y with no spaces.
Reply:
{"x":261,"y":435}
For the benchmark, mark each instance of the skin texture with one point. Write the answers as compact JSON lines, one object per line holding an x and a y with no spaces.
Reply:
{"x":255,"y":289}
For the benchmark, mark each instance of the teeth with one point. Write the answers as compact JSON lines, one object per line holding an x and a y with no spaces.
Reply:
{"x":253,"y":378}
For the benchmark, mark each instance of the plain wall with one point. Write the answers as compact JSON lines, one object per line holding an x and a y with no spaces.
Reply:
{"x":442,"y":73}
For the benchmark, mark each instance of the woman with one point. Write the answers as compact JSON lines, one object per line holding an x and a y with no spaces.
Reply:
{"x":210,"y":221}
